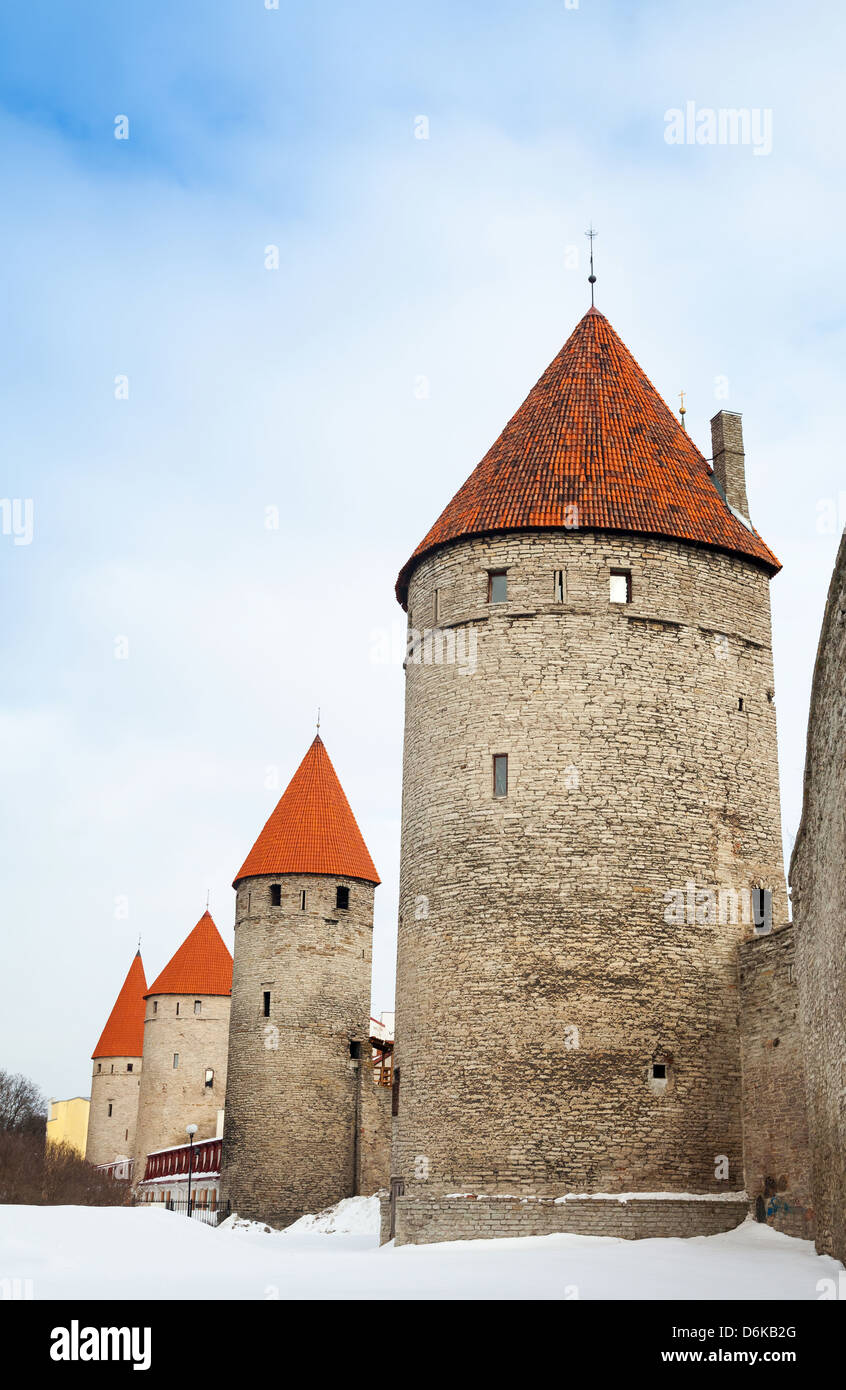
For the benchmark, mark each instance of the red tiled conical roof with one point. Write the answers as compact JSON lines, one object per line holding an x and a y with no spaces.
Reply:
{"x":312,"y":830}
{"x":123,"y":1035}
{"x":202,"y":965}
{"x":594,"y":434}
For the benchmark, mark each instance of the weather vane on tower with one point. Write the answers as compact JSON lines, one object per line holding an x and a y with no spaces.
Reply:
{"x":590,"y":234}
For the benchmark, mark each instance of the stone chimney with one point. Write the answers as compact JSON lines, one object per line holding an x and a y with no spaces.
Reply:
{"x":727,"y":449}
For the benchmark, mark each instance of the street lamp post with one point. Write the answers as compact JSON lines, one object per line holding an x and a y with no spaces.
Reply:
{"x":190,"y":1130}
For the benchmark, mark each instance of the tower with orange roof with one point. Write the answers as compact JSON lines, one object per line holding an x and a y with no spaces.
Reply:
{"x":590,"y":821}
{"x":116,"y":1074}
{"x":186,"y":1028}
{"x":299,"y":1079}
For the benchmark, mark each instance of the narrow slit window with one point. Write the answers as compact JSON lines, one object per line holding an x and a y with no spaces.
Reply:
{"x":209,"y":1078}
{"x":129,"y":1066}
{"x":175,"y":1060}
{"x":276,"y":895}
{"x":436,"y":606}
{"x":740,"y":703}
{"x":177,"y":1010}
{"x":110,"y":1109}
{"x":497,"y":586}
{"x":559,"y":586}
{"x":500,"y":774}
{"x":302,"y":900}
{"x":155,"y":1006}
{"x":198,"y":1006}
{"x":620,"y":590}
{"x":266,"y":998}
{"x":342,"y":897}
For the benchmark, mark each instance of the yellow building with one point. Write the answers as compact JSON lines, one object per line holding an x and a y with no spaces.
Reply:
{"x":68,"y":1122}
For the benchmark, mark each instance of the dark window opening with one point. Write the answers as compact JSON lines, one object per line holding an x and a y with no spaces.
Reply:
{"x":342,"y":897}
{"x":762,"y":909}
{"x":99,"y":1066}
{"x":276,"y":895}
{"x":395,"y":1088}
{"x":110,"y":1107}
{"x":740,"y":703}
{"x":209,"y":1078}
{"x":659,"y":1071}
{"x":559,"y":586}
{"x":497,"y":586}
{"x":302,"y":900}
{"x":355,"y":1050}
{"x":500,"y":774}
{"x":129,"y":1066}
{"x":267,"y":1003}
{"x":177,"y":1008}
{"x":155,"y":1006}
{"x":620,"y":590}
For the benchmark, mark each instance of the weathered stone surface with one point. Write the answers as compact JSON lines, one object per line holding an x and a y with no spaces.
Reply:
{"x":172,"y":1097}
{"x":776,"y":1153}
{"x":818,"y":882}
{"x":300,"y":1113}
{"x":113,"y":1085}
{"x":538,"y":977}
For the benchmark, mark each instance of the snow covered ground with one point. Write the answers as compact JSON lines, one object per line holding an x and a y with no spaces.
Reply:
{"x":138,"y":1252}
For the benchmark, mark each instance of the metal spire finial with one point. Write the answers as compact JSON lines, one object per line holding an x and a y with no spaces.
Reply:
{"x":682,"y":410}
{"x":590,"y":234}
{"x":208,"y":894}
{"x":318,"y":719}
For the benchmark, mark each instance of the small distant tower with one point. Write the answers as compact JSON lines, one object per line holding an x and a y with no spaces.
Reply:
{"x":299,"y":1047}
{"x":185,"y":1041}
{"x":116,"y":1075}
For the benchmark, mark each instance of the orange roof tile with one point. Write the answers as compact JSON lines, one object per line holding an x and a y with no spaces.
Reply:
{"x":312,"y":830}
{"x":202,"y":965}
{"x":594,"y":434}
{"x":123,"y":1035}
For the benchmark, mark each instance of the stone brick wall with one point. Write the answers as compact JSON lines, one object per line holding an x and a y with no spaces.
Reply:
{"x":422,"y":1221}
{"x":375,"y":1147}
{"x":114,"y":1084}
{"x":775,"y":1132}
{"x":538,"y":977}
{"x":292,"y":1139}
{"x":818,"y":881}
{"x":172,"y":1097}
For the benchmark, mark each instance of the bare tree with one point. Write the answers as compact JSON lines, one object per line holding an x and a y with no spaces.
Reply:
{"x":23,"y":1109}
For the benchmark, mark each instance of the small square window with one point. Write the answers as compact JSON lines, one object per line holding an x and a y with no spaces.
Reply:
{"x":276,"y":895}
{"x":342,"y":897}
{"x":198,"y":1006}
{"x":621,"y":586}
{"x":500,"y":774}
{"x":659,"y":1071}
{"x":497,"y":586}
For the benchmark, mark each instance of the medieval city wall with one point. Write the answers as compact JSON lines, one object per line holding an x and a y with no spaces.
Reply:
{"x":818,"y":883}
{"x":775,"y":1131}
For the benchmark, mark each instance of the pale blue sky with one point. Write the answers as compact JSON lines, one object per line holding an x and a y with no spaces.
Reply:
{"x":400,"y":258}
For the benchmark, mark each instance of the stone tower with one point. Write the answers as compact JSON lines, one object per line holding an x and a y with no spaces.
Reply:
{"x":186,"y":1031}
{"x":590,"y":820}
{"x":116,"y":1075}
{"x":299,"y":1073}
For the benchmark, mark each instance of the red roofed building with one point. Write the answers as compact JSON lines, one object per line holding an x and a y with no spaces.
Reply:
{"x":590,"y":746}
{"x":186,"y":1032}
{"x":306,"y":1123}
{"x":117,"y":1072}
